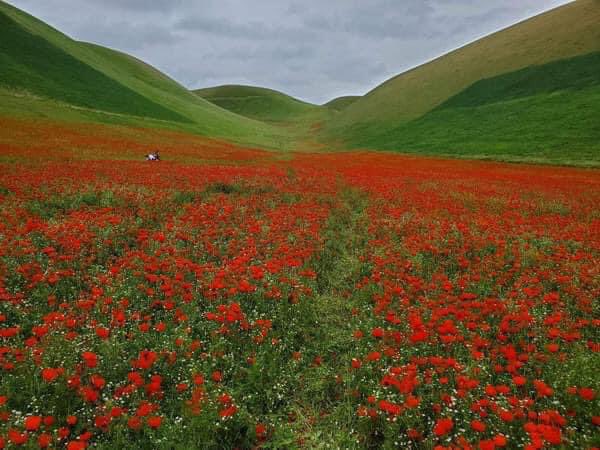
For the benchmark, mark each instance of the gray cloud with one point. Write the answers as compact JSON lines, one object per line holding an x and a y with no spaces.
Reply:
{"x":142,"y":5}
{"x":300,"y":47}
{"x":138,"y":35}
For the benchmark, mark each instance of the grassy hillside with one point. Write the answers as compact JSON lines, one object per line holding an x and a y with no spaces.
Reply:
{"x":341,"y":102}
{"x":546,"y":113}
{"x":45,"y":73}
{"x":573,"y":74}
{"x":565,"y":32}
{"x":32,"y":64}
{"x":297,"y":121}
{"x":257,"y":103}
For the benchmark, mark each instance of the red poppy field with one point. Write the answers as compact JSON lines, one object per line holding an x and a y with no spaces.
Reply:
{"x":232,"y":298}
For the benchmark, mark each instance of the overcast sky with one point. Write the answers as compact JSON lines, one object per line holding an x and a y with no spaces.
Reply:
{"x":312,"y":49}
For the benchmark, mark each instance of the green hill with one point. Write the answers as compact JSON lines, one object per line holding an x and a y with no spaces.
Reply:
{"x":32,"y":64}
{"x":405,"y":112}
{"x":45,"y":73}
{"x":341,"y":102}
{"x":546,"y":113}
{"x":258,"y":103}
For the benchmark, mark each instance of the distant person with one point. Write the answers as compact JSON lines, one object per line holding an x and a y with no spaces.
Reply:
{"x":153,"y":156}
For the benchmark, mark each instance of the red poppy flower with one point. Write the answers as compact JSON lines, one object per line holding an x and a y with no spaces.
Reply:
{"x":76,"y":445}
{"x":478,"y":426}
{"x":97,"y":381}
{"x":443,"y":426}
{"x":116,"y":412}
{"x":134,"y":423}
{"x":16,"y":437}
{"x":587,"y":393}
{"x":374,"y":356}
{"x":49,"y":374}
{"x":154,"y":421}
{"x":44,"y":440}
{"x":32,"y":423}
{"x":260,"y":429}
{"x":102,"y":421}
{"x":228,"y":412}
{"x":102,"y":333}
{"x":377,"y":333}
{"x":91,"y":359}
{"x":500,"y":440}
{"x":71,"y":420}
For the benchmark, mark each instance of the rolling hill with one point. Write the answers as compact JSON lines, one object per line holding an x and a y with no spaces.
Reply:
{"x":44,"y":73}
{"x":258,"y":103}
{"x":546,"y":113}
{"x":405,"y":113}
{"x":340,"y":103}
{"x":298,"y":121}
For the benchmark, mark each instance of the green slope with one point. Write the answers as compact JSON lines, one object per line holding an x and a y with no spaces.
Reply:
{"x":564,"y":32}
{"x":31,"y":63}
{"x":45,"y":73}
{"x":340,"y":103}
{"x":257,"y":103}
{"x":577,"y":73}
{"x":547,"y":113}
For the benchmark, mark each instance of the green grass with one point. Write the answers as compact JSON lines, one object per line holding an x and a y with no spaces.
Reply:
{"x":560,"y":128}
{"x":580,"y":72}
{"x":297,"y":120}
{"x":545,"y":113}
{"x":340,"y":103}
{"x":32,"y":64}
{"x":564,"y":32}
{"x":257,"y":103}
